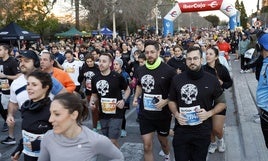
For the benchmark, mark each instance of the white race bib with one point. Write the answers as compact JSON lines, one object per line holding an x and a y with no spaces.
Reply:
{"x":27,"y":139}
{"x":108,"y":105}
{"x":149,"y":103}
{"x":191,"y":115}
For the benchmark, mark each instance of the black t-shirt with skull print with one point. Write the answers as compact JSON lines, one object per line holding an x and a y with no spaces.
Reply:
{"x":109,"y":90}
{"x":155,"y":84}
{"x":201,"y":93}
{"x":85,"y":74}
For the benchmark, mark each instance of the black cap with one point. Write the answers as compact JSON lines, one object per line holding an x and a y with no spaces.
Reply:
{"x":29,"y":54}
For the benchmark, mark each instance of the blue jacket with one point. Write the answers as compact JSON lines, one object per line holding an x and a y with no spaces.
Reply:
{"x":262,"y":89}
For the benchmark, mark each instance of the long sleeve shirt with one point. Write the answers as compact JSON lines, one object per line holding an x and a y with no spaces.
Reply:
{"x":262,"y":88}
{"x":86,"y":146}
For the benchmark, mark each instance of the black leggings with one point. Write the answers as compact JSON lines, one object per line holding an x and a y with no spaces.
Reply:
{"x":3,"y":112}
{"x":243,"y":61}
{"x":30,"y":158}
{"x":124,"y":121}
{"x":264,"y":126}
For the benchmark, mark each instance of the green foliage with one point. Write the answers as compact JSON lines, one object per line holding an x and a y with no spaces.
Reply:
{"x":33,"y":15}
{"x":213,"y":19}
{"x":264,"y":9}
{"x":243,"y":15}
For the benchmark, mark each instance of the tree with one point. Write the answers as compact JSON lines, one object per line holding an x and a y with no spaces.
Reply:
{"x":100,"y":11}
{"x":30,"y":14}
{"x":243,"y":15}
{"x":97,"y":11}
{"x":213,"y":19}
{"x":77,"y":11}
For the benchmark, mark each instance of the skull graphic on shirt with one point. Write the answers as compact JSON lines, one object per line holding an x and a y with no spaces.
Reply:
{"x":102,"y":87}
{"x":89,"y":74}
{"x":147,"y":82}
{"x":189,"y":93}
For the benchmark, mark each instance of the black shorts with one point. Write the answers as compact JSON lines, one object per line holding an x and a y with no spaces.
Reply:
{"x":161,"y":126}
{"x":223,"y":112}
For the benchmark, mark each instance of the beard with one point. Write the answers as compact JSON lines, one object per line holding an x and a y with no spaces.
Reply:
{"x":194,"y":67}
{"x":151,"y":61}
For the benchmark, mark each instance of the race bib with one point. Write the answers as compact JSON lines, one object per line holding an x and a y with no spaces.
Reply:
{"x":149,"y":101}
{"x":191,"y":115}
{"x":5,"y":85}
{"x":88,"y":84}
{"x":108,"y":105}
{"x":27,"y":139}
{"x":70,"y":70}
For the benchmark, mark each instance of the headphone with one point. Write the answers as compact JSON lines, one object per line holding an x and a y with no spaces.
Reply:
{"x":36,"y":61}
{"x":32,"y":55}
{"x":37,"y":64}
{"x":30,"y":105}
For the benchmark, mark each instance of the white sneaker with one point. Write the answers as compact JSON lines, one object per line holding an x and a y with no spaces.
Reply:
{"x":221,"y":145}
{"x":257,"y":120}
{"x":242,"y":71}
{"x":161,"y":153}
{"x":166,"y":157}
{"x":212,"y":147}
{"x":247,"y":71}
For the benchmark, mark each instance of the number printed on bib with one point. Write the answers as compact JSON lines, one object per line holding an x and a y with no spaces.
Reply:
{"x":108,"y":105}
{"x":149,"y":103}
{"x":191,"y":115}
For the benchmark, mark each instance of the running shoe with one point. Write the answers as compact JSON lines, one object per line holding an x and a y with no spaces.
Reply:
{"x":221,"y":145}
{"x":98,"y":125}
{"x":166,"y":157}
{"x":95,"y":130}
{"x":161,"y":153}
{"x":212,"y":147}
{"x":123,"y":133}
{"x":9,"y":141}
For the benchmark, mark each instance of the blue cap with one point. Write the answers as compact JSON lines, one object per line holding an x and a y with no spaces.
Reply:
{"x":263,"y":40}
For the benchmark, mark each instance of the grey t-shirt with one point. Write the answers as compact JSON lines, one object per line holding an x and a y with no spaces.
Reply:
{"x":85,"y":147}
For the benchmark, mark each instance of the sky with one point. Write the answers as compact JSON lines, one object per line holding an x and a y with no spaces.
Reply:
{"x":250,"y":5}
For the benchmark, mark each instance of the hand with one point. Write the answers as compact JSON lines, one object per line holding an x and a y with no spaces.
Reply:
{"x":181,"y":119}
{"x":160,"y":104}
{"x":16,"y":157}
{"x":28,"y":145}
{"x":221,"y":82}
{"x":120,"y":104}
{"x":202,"y":114}
{"x":135,"y":102}
{"x":2,"y":75}
{"x":178,"y":71}
{"x":10,"y":120}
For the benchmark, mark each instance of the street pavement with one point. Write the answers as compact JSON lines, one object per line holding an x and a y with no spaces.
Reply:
{"x":243,"y":137}
{"x":252,"y":142}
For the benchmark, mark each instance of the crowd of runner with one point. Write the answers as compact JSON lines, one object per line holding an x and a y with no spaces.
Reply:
{"x":103,"y":74}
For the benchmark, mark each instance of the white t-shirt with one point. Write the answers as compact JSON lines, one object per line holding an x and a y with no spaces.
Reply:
{"x":73,"y":69}
{"x":18,"y":93}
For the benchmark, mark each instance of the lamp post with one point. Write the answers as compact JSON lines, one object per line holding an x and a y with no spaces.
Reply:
{"x":114,"y":25}
{"x":156,"y":19}
{"x":190,"y":22}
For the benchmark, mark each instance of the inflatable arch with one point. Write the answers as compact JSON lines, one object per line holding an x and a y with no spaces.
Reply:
{"x":200,"y":5}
